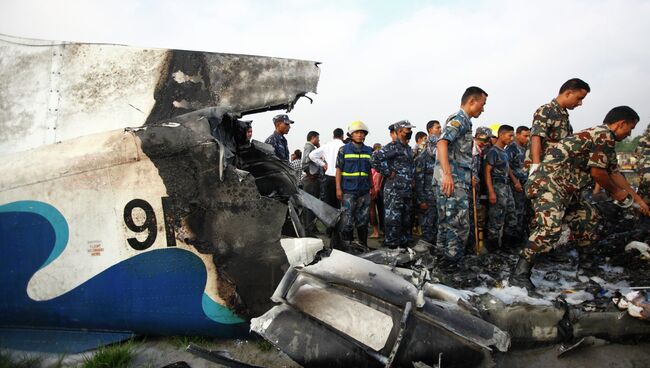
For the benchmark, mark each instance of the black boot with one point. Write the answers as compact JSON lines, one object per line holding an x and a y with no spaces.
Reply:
{"x":492,"y":245}
{"x":521,"y":275}
{"x":347,"y":236}
{"x":362,"y":232}
{"x":511,"y":243}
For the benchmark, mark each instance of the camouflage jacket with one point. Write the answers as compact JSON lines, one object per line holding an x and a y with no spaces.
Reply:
{"x":567,"y":165}
{"x":395,"y":157}
{"x":551,"y":123}
{"x":458,"y":132}
{"x":517,"y":155}
{"x":424,"y":165}
{"x":499,"y":159}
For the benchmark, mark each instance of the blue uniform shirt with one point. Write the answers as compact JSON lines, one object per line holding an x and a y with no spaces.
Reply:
{"x":424,"y":164}
{"x":279,"y":143}
{"x":395,"y":157}
{"x":517,"y":155}
{"x":458,"y":132}
{"x":498,"y":158}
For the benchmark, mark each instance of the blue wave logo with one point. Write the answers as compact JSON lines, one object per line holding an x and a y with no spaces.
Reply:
{"x":52,"y":215}
{"x":156,"y":292}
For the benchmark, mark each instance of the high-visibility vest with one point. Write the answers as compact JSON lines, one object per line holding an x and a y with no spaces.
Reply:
{"x":355,"y":175}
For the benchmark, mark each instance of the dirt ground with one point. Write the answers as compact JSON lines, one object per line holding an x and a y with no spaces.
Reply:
{"x":159,"y":352}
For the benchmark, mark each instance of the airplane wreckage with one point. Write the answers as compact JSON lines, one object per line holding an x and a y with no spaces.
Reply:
{"x":132,"y":204}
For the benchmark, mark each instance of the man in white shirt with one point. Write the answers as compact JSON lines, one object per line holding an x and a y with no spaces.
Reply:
{"x":325,"y":157}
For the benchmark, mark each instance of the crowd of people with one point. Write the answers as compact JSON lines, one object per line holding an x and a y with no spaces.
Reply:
{"x":511,"y":189}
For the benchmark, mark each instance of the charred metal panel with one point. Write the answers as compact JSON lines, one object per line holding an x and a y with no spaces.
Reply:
{"x":531,"y":325}
{"x":53,"y":91}
{"x":273,"y":177}
{"x":309,"y":342}
{"x":218,"y":209}
{"x":242,"y":83}
{"x":327,"y":299}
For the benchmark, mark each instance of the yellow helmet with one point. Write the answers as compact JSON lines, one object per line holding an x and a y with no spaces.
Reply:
{"x":495,"y":129}
{"x":357,"y":125}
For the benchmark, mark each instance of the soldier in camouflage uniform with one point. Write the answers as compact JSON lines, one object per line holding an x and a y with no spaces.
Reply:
{"x":517,"y":152}
{"x":498,"y":176}
{"x":643,"y":165}
{"x":453,"y":172}
{"x":424,"y":184}
{"x":551,"y":122}
{"x":395,"y":162}
{"x":569,"y":166}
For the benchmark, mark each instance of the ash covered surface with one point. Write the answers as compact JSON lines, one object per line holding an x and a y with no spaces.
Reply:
{"x":587,"y":277}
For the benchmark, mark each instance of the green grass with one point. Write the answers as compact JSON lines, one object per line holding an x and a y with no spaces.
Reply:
{"x":7,"y":360}
{"x":113,"y":356}
{"x":181,"y":342}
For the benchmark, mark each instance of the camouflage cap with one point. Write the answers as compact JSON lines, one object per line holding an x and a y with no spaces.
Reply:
{"x":483,"y":131}
{"x":282,"y":118}
{"x":403,"y":124}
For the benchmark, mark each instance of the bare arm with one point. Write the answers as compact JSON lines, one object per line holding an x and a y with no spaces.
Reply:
{"x":339,"y":191}
{"x":536,"y":149}
{"x":603,"y":178}
{"x":621,"y":182}
{"x":492,"y":196}
{"x":515,"y":181}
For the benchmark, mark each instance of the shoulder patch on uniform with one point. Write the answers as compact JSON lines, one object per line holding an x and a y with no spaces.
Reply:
{"x":454,"y":123}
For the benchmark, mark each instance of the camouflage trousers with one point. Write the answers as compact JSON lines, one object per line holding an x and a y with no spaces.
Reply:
{"x":429,"y":220}
{"x":521,"y":212}
{"x":552,"y":209}
{"x":355,"y":211}
{"x":397,"y":219}
{"x":501,"y":215}
{"x":481,"y":219}
{"x":453,"y":222}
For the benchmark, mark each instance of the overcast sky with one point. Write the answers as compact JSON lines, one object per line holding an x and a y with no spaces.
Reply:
{"x":385,"y":61}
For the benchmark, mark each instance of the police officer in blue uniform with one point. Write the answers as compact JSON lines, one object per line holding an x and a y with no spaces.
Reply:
{"x":453,"y":172}
{"x":424,"y":184}
{"x":498,"y":177}
{"x":354,"y":183}
{"x":517,"y":152}
{"x":277,"y":140}
{"x":395,"y":162}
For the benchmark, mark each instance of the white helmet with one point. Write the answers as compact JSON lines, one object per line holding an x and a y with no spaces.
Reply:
{"x":357,"y":125}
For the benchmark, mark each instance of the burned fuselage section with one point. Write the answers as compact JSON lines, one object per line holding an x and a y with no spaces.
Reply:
{"x":157,"y":229}
{"x":222,"y":202}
